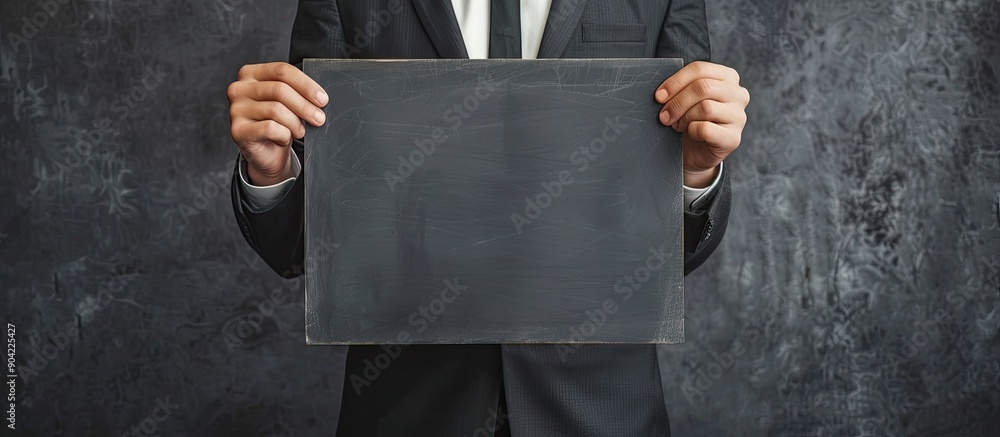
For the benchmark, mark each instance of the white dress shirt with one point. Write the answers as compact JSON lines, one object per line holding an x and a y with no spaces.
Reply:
{"x":474,"y":21}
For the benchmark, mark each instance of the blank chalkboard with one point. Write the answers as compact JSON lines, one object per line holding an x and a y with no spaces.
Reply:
{"x":493,"y":201}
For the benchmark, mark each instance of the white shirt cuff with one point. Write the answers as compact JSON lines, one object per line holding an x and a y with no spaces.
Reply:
{"x":695,"y":198}
{"x":261,"y":198}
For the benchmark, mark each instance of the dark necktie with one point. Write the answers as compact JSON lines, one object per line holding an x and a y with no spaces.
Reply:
{"x":505,"y":29}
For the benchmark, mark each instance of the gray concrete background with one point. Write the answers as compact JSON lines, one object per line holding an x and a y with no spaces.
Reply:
{"x":856,"y":292}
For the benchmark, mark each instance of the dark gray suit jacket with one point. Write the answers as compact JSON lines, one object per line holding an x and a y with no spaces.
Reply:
{"x":456,"y":390}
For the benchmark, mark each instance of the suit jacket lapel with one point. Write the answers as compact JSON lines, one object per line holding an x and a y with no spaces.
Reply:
{"x":559,"y":27}
{"x":438,"y":18}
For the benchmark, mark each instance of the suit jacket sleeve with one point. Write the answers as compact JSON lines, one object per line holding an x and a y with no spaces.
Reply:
{"x":685,"y":35}
{"x":276,"y":234}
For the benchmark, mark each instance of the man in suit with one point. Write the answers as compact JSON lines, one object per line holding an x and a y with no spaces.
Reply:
{"x":520,"y":390}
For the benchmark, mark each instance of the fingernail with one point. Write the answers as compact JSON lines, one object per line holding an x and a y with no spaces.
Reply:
{"x":322,"y":98}
{"x":661,"y":95}
{"x":665,"y":118}
{"x":320,"y":117}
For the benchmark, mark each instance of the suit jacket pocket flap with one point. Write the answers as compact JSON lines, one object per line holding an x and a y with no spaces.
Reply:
{"x":619,"y":32}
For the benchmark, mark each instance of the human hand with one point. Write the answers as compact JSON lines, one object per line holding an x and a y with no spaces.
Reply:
{"x":706,"y":102}
{"x":267,"y":105}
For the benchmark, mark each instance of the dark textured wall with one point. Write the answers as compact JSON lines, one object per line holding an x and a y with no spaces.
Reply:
{"x":856,"y":292}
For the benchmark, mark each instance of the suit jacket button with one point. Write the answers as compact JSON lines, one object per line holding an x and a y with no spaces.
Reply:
{"x":708,"y":229}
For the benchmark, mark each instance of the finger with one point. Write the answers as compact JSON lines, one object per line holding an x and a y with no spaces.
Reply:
{"x":283,"y":93}
{"x":260,"y":111}
{"x":720,"y":138}
{"x":690,"y":73}
{"x":713,"y":111}
{"x":254,"y":136}
{"x":697,"y":91}
{"x":289,"y":74}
